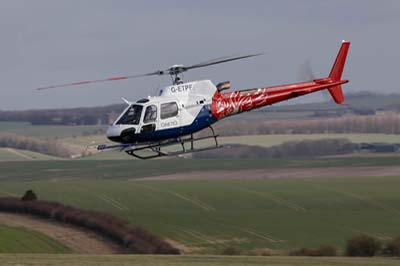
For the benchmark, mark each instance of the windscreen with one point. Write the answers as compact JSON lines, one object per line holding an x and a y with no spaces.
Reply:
{"x":131,"y":116}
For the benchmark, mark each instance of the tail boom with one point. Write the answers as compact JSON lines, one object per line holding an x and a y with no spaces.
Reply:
{"x":230,"y":103}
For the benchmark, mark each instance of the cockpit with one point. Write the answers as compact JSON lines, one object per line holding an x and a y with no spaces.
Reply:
{"x":134,"y":113}
{"x":144,"y":117}
{"x":131,"y":116}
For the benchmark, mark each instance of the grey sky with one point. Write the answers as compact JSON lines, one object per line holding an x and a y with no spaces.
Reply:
{"x":51,"y":42}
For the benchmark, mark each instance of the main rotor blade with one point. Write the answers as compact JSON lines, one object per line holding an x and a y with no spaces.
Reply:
{"x":100,"y":80}
{"x":169,"y":71}
{"x":220,"y":61}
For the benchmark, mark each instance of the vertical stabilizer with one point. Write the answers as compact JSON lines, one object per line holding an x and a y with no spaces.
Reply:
{"x":336,"y":72}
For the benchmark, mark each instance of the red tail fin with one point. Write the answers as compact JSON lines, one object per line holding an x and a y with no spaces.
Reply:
{"x":336,"y":72}
{"x":337,"y":69}
{"x":337,"y":94}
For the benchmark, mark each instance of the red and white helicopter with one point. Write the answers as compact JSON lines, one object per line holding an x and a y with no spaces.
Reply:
{"x":185,"y":108}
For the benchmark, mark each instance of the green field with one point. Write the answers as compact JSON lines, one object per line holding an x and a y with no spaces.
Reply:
{"x":21,"y":240}
{"x":207,"y":216}
{"x":48,"y":131}
{"x":80,"y":137}
{"x":58,"y":169}
{"x":257,"y":140}
{"x":122,"y":260}
{"x":84,"y":135}
{"x":7,"y":154}
{"x":263,"y":140}
{"x":270,"y":140}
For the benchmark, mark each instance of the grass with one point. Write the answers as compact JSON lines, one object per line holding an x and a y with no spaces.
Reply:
{"x":8,"y":154}
{"x":79,"y":137}
{"x":258,"y":140}
{"x":36,"y":260}
{"x":21,"y":240}
{"x":48,"y":131}
{"x":270,"y":140}
{"x":207,"y":216}
{"x":141,"y":168}
{"x":262,"y":140}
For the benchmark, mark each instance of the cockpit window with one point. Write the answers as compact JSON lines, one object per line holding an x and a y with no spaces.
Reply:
{"x":151,"y":114}
{"x":131,"y":116}
{"x":169,"y":110}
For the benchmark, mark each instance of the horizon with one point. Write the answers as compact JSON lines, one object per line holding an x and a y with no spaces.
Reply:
{"x":324,"y":99}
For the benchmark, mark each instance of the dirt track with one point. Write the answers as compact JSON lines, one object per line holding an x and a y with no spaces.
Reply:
{"x":78,"y":240}
{"x":323,"y":172}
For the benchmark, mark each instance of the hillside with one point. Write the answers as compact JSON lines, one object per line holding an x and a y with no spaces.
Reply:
{"x":227,"y":205}
{"x":356,"y":103}
{"x":19,"y":240}
{"x":359,"y":102}
{"x":116,"y":260}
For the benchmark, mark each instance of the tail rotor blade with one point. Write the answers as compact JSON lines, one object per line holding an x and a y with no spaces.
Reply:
{"x":305,"y":72}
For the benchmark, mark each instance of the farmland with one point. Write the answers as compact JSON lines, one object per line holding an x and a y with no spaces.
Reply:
{"x":207,"y":215}
{"x":8,"y":154}
{"x":21,"y":240}
{"x":48,"y":131}
{"x":39,"y":260}
{"x":204,"y":214}
{"x":59,"y":169}
{"x":262,"y":140}
{"x":80,"y":138}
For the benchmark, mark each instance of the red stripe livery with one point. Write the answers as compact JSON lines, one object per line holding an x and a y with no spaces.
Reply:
{"x":230,"y":103}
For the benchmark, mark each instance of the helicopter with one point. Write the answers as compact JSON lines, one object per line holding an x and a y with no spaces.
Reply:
{"x":184,"y":108}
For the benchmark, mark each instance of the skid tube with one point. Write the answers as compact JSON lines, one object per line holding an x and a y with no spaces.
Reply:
{"x":156,"y":148}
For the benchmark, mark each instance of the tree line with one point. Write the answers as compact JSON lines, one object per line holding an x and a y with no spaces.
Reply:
{"x":49,"y":147}
{"x":132,"y":239}
{"x":384,"y":123}
{"x":302,"y":148}
{"x":71,"y":116}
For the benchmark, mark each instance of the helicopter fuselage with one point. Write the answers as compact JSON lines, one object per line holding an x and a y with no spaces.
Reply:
{"x":186,"y":108}
{"x":179,"y":110}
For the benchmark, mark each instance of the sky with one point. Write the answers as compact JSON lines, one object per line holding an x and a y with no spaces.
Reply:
{"x":46,"y":42}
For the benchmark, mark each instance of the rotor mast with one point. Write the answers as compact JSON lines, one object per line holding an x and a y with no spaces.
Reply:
{"x":176,"y":74}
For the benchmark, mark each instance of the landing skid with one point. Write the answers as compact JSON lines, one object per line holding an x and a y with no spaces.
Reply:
{"x":157,"y":151}
{"x":157,"y":148}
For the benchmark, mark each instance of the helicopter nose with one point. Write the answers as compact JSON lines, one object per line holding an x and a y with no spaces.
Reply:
{"x":121,"y":133}
{"x":114,"y":133}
